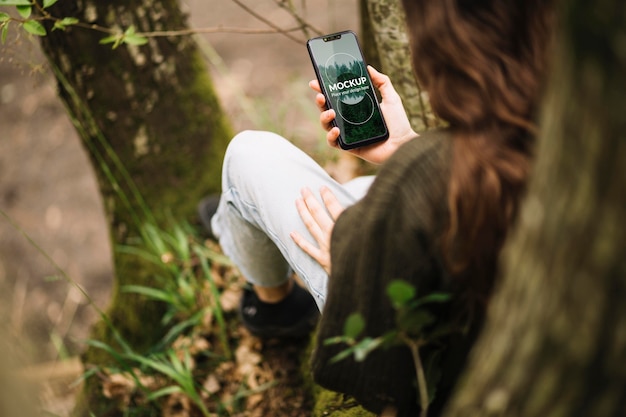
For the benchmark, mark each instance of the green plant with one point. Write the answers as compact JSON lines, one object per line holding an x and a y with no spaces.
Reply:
{"x":179,"y":372}
{"x":185,"y":282}
{"x":416,"y":326}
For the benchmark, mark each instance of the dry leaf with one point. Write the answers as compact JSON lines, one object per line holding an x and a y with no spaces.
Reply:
{"x":177,"y":405}
{"x":229,"y":300}
{"x":212,"y":384}
{"x":253,"y":400}
{"x":200,"y":344}
{"x":217,"y":274}
{"x":118,"y":386}
{"x":246,"y":357}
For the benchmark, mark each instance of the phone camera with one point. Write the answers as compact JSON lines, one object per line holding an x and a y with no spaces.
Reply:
{"x":331,"y":38}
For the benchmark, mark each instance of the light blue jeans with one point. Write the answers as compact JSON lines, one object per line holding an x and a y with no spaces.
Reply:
{"x":262,"y":176}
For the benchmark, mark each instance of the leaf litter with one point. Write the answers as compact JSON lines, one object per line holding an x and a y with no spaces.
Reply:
{"x":263,"y":378}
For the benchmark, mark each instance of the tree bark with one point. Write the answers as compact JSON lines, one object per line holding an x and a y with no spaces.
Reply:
{"x":555,"y":341}
{"x":153,"y":127}
{"x":386,"y":21}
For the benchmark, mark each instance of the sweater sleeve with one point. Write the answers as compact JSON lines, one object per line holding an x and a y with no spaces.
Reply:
{"x":390,"y":234}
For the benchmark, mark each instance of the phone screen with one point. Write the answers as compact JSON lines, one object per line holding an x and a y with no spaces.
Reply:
{"x":343,"y":77}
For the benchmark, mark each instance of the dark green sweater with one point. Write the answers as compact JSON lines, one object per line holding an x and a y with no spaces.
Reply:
{"x":392,"y":233}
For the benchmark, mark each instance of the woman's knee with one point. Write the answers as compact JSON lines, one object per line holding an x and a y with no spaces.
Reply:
{"x":250,"y":153}
{"x":252,"y":144}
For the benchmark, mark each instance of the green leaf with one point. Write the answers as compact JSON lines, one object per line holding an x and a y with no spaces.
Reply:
{"x":436,"y":297}
{"x":141,"y":253}
{"x":176,"y":330}
{"x":5,"y":32}
{"x":342,"y":355}
{"x":101,"y":345}
{"x":414,"y":321}
{"x":135,"y":40}
{"x":364,"y":347}
{"x":48,"y":3}
{"x":25,"y":11}
{"x":150,"y":292}
{"x":15,"y":2}
{"x":34,"y":27}
{"x":354,"y":325}
{"x":131,"y":37}
{"x":67,"y":21}
{"x":173,"y":389}
{"x":181,"y":241}
{"x":114,"y":39}
{"x":400,"y":293}
{"x":390,"y":339}
{"x":338,"y":339}
{"x":64,"y":23}
{"x":4,"y":17}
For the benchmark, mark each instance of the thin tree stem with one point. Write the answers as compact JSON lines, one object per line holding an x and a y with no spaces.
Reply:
{"x":422,"y":385}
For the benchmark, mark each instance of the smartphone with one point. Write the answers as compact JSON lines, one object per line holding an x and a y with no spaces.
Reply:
{"x":346,"y":84}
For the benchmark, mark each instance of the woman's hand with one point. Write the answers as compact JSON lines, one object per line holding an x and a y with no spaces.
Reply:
{"x":319,"y":220}
{"x":397,"y":121}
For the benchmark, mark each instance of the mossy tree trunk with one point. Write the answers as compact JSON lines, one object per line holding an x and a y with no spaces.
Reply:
{"x":153,"y":127}
{"x":386,"y":41}
{"x":555,"y":342}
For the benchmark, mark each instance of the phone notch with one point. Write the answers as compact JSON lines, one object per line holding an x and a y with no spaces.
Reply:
{"x":332,"y":38}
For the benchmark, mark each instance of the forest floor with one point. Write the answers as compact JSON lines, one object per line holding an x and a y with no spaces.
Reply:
{"x":51,"y":213}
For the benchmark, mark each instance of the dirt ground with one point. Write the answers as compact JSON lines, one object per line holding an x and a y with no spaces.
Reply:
{"x":50,"y":211}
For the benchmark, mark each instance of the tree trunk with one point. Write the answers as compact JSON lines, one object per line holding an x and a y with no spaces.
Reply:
{"x":386,"y":25}
{"x":555,"y":340}
{"x":154,"y":131}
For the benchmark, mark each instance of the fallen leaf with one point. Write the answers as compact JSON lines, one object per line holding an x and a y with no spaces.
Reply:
{"x":177,"y":405}
{"x":212,"y":384}
{"x":229,"y":300}
{"x":118,"y":386}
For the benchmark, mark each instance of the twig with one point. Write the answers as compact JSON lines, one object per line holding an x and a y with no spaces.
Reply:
{"x":422,"y":385}
{"x":218,"y":29}
{"x":267,"y":22}
{"x":304,"y":25}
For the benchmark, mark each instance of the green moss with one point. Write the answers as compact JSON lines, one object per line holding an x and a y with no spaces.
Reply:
{"x":328,"y":403}
{"x":333,"y":404}
{"x":201,"y":90}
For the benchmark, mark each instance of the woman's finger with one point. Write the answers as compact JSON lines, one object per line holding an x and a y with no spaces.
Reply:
{"x":320,"y":101}
{"x":315,"y":85}
{"x":326,"y":119}
{"x":319,"y":215}
{"x":333,"y":205}
{"x":320,"y":256}
{"x":309,"y":221}
{"x":332,"y":137}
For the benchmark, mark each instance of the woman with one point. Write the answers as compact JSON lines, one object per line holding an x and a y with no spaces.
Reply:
{"x":435,"y":216}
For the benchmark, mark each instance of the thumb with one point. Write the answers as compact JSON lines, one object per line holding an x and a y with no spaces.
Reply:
{"x":382,"y":83}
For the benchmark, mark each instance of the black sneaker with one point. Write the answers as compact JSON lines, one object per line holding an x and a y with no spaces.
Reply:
{"x":293,"y":317}
{"x":206,"y":209}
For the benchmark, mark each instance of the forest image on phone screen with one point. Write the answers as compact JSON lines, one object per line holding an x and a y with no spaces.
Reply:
{"x":347,"y":86}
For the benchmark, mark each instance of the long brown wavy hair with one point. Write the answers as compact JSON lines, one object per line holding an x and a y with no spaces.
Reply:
{"x":482,"y":63}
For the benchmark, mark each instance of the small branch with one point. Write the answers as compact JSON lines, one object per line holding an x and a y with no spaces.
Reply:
{"x":218,"y":29}
{"x":165,"y":33}
{"x":304,"y":25}
{"x":422,"y":384}
{"x":267,"y":22}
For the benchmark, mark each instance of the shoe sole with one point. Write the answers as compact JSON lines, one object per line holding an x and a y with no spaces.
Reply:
{"x":298,"y":330}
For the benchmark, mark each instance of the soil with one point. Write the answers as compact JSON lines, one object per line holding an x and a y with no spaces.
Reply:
{"x":51,"y":217}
